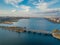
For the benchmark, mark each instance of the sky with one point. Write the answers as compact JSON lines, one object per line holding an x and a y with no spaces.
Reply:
{"x":29,"y":7}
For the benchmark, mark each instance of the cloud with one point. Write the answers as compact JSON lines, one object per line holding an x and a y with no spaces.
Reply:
{"x":42,"y":5}
{"x":39,"y":4}
{"x":33,"y":13}
{"x":25,"y":8}
{"x":13,"y":10}
{"x":53,"y":2}
{"x":13,"y":2}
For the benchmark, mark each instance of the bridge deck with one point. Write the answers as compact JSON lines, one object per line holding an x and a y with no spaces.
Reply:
{"x":20,"y":29}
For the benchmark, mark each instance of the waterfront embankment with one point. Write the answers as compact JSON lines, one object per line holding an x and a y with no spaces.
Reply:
{"x":54,"y":20}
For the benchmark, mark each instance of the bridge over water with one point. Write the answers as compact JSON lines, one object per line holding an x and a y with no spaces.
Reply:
{"x":41,"y":32}
{"x":23,"y":29}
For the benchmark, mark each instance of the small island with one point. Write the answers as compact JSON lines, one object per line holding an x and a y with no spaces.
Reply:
{"x":56,"y":34}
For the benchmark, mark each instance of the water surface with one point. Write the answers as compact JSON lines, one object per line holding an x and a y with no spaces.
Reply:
{"x":14,"y":38}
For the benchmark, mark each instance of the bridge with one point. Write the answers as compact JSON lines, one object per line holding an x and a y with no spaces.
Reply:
{"x":23,"y":29}
{"x":40,"y":32}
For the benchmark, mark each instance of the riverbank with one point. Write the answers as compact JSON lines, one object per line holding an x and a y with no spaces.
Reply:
{"x":54,"y":20}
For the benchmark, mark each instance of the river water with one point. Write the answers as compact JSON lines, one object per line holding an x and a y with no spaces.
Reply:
{"x":14,"y":38}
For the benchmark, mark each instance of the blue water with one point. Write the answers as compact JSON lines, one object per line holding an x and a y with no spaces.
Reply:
{"x":14,"y":38}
